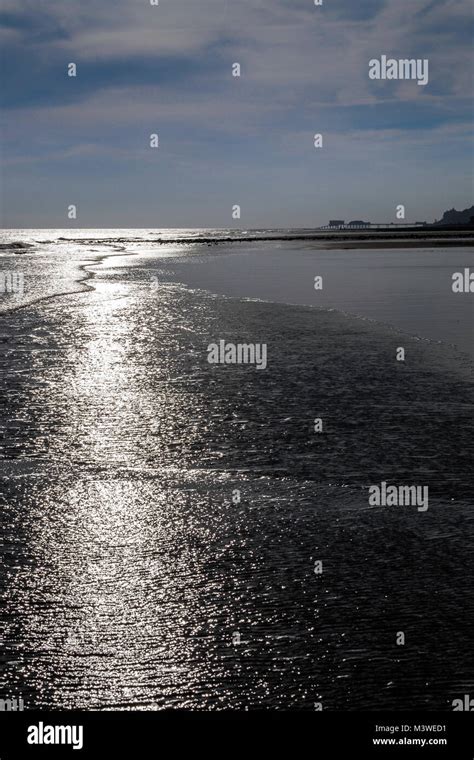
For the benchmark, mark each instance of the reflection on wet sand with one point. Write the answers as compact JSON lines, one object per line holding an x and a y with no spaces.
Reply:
{"x":127,"y":567}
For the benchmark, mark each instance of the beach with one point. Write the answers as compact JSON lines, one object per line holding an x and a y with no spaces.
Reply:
{"x":154,"y":505}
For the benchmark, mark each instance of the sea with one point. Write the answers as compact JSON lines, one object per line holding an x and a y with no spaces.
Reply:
{"x":176,"y":534}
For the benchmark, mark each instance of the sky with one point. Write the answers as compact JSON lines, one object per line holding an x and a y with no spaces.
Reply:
{"x":223,"y":140}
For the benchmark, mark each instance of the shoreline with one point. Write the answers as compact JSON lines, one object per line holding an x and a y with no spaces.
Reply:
{"x":386,"y":244}
{"x":86,"y":275}
{"x":407,"y":237}
{"x":357,"y":239}
{"x":146,"y":443}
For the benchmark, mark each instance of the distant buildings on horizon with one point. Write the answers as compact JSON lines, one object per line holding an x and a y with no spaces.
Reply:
{"x":449,"y":218}
{"x":359,"y":224}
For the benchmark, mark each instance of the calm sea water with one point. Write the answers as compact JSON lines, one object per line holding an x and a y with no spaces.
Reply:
{"x":409,"y":289}
{"x":131,"y":576}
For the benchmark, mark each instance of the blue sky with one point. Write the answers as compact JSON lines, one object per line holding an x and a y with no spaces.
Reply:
{"x":143,"y":69}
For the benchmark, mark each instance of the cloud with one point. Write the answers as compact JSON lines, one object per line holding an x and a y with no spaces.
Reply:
{"x":143,"y":69}
{"x":281,"y":46}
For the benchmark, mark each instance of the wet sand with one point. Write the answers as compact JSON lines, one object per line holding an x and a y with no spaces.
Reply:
{"x":127,"y":568}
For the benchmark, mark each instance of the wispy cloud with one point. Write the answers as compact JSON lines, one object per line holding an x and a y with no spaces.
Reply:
{"x":143,"y":69}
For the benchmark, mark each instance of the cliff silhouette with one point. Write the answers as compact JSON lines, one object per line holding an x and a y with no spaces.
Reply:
{"x":454,"y":217}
